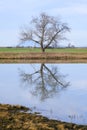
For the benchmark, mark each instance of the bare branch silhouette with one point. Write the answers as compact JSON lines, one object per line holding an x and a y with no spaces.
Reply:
{"x":47,"y":81}
{"x":45,"y":30}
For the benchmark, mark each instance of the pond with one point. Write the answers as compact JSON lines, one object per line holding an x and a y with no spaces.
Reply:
{"x":58,"y":91}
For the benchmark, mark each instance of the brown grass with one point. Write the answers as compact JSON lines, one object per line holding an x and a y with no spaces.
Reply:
{"x":9,"y":55}
{"x":25,"y":57}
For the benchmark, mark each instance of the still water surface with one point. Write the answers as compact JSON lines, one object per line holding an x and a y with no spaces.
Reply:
{"x":58,"y":91}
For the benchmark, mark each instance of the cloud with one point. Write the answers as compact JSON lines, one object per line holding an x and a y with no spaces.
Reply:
{"x":9,"y":37}
{"x":78,"y":37}
{"x":71,"y":10}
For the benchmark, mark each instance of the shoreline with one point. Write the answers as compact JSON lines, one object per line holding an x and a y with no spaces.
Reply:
{"x":16,"y":117}
{"x":9,"y":57}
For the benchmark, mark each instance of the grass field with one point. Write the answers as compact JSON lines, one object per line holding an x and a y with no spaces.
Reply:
{"x":35,"y":54}
{"x":58,"y":50}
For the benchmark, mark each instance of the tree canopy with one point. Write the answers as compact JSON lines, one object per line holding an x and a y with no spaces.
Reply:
{"x":45,"y":30}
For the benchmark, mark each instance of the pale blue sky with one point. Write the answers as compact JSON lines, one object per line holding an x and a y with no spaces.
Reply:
{"x":16,"y":13}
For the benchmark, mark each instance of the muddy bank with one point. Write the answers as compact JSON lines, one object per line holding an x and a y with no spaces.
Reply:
{"x":17,"y":118}
{"x":41,"y":61}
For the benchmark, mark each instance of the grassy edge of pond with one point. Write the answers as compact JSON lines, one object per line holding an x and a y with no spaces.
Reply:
{"x":8,"y":57}
{"x":28,"y":54}
{"x":16,"y":117}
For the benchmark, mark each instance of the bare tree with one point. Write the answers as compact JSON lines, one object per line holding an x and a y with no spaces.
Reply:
{"x":45,"y":30}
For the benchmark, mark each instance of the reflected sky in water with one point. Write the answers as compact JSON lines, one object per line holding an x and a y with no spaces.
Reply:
{"x":67,"y":104}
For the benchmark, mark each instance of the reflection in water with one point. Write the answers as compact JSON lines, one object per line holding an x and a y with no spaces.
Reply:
{"x":77,"y":118}
{"x":46,"y":81}
{"x":69,"y":105}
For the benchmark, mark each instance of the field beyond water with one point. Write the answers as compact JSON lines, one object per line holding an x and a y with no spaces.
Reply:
{"x":35,"y":54}
{"x":55,"y":50}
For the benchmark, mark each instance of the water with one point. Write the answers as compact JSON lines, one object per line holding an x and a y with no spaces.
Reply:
{"x":58,"y":91}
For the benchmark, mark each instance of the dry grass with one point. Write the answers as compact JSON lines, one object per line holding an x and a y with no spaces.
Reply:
{"x":43,"y":56}
{"x":9,"y":55}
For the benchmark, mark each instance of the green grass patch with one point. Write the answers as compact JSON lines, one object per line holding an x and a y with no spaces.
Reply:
{"x":68,"y":50}
{"x":58,"y":50}
{"x":13,"y":49}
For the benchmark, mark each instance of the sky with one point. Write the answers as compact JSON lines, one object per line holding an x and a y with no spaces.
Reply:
{"x":16,"y":13}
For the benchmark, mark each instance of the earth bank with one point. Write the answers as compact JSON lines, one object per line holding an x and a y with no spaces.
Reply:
{"x":16,"y":118}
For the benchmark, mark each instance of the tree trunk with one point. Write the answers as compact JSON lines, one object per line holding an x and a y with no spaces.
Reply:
{"x":43,"y":50}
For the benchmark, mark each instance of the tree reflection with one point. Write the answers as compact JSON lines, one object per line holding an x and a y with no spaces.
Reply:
{"x":45,"y":81}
